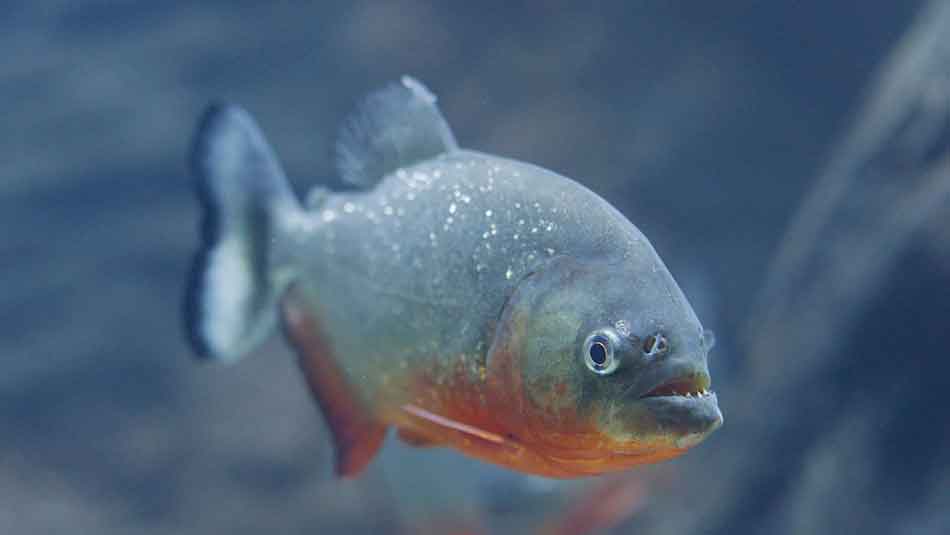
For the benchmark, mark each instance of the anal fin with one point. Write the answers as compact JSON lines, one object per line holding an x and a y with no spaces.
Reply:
{"x":357,"y":435}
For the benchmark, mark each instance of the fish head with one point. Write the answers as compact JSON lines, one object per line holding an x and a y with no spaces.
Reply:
{"x":604,"y":365}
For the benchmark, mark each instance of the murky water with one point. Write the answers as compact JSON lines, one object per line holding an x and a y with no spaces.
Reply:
{"x":705,"y":127}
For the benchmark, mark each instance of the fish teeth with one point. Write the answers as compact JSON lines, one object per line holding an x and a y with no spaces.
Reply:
{"x":699,"y":394}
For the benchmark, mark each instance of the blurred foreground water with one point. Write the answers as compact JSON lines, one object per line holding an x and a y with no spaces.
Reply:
{"x":798,"y":195}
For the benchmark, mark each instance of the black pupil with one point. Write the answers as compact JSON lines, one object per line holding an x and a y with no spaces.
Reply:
{"x":598,"y":353}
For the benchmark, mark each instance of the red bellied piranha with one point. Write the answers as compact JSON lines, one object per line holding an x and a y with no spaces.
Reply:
{"x":467,"y":300}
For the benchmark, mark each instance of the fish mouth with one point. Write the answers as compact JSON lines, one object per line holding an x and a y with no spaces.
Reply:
{"x":683,"y":408}
{"x":688,"y":386}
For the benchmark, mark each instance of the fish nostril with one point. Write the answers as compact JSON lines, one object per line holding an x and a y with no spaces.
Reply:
{"x":656,"y":345}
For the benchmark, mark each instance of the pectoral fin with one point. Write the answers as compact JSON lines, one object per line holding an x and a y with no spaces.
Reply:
{"x":416,"y":439}
{"x":446,"y":425}
{"x":357,"y":435}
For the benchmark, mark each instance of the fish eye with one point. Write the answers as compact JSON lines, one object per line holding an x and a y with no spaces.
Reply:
{"x":599,"y":352}
{"x":656,"y":345}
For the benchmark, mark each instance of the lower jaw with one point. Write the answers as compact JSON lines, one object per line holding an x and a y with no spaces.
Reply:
{"x":685,"y":415}
{"x":669,"y":423}
{"x":612,"y":461}
{"x":623,"y":454}
{"x":653,"y":430}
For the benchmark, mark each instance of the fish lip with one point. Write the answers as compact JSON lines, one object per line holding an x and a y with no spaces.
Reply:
{"x":681,"y":405}
{"x":685,"y":419}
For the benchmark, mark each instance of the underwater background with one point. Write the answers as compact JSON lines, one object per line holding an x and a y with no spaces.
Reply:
{"x":789,"y":162}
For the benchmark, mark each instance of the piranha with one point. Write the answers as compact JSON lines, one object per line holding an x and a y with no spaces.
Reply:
{"x":467,"y":300}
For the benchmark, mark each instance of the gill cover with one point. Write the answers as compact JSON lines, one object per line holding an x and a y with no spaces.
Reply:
{"x":532,"y":358}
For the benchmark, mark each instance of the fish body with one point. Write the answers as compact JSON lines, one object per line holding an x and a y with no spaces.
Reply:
{"x":468,"y":300}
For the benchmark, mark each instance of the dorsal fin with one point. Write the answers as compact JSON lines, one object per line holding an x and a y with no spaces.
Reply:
{"x":395,"y":127}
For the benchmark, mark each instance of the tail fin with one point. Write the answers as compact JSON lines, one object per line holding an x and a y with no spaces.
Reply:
{"x":247,"y":202}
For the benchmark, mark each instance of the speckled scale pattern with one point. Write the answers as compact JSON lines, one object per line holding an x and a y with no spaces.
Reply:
{"x":422,"y":263}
